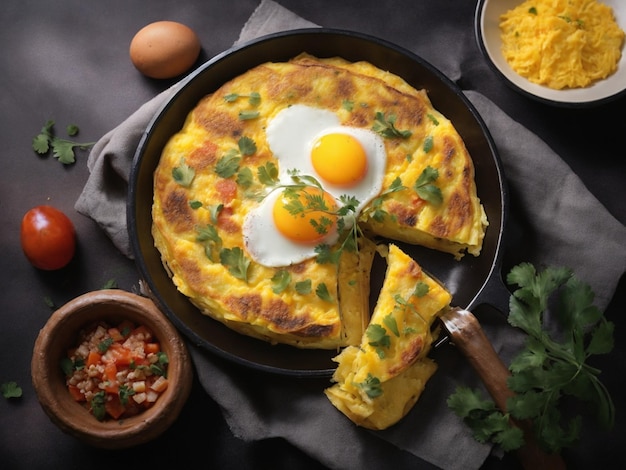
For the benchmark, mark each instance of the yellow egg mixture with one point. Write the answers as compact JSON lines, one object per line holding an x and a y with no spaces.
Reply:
{"x":562,"y":43}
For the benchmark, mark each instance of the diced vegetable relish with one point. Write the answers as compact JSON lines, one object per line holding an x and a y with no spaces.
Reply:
{"x":116,"y":371}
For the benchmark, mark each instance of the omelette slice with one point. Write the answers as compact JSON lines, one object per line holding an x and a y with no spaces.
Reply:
{"x":379,"y":381}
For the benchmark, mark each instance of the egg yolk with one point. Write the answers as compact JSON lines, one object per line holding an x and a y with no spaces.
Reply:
{"x":305,"y":216}
{"x":339,"y":159}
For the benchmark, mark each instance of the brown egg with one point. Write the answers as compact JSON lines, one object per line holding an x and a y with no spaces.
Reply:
{"x":164,"y":49}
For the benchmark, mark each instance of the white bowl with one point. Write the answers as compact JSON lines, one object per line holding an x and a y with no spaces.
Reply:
{"x":487,"y":24}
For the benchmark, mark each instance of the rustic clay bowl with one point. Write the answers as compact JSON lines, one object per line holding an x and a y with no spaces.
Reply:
{"x":60,"y":333}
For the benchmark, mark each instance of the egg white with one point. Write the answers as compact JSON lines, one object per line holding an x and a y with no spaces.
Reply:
{"x":291,"y":135}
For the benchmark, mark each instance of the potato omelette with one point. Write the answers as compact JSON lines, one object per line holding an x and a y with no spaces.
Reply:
{"x":228,"y":201}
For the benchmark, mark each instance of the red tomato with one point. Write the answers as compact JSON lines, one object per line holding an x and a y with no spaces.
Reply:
{"x":48,"y":238}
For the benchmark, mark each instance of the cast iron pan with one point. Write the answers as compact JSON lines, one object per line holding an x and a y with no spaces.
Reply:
{"x":472,"y":281}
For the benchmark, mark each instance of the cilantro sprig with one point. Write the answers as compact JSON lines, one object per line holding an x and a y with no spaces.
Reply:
{"x":62,"y":149}
{"x":386,"y":126}
{"x":553,"y":365}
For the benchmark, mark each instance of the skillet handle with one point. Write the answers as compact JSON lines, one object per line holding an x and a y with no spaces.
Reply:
{"x":467,"y":335}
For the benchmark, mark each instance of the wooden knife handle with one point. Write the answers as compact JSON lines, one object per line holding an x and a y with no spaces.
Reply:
{"x":468,"y":336}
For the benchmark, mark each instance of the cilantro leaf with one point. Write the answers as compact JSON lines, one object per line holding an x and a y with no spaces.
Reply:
{"x":425,"y":187}
{"x":428,"y":144}
{"x":386,"y":126}
{"x":236,"y":262}
{"x":322,"y":292}
{"x":228,"y":165}
{"x":62,"y":149}
{"x":371,"y":386}
{"x":280,"y":281}
{"x":303,"y":287}
{"x":183,"y":174}
{"x":268,"y":174}
{"x":246,"y":145}
{"x":10,"y":390}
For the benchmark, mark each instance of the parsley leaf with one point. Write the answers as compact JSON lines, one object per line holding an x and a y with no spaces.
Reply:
{"x":268,"y":174}
{"x":246,"y":145}
{"x":425,"y":187}
{"x":371,"y":386}
{"x":183,"y":174}
{"x":303,"y":287}
{"x":280,"y":281}
{"x":62,"y":149}
{"x":322,"y":292}
{"x":228,"y":165}
{"x":236,"y":262}
{"x":428,"y":144}
{"x":10,"y":390}
{"x":386,"y":126}
{"x":209,"y":237}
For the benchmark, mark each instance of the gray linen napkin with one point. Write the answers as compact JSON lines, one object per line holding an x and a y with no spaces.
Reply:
{"x":547,"y":196}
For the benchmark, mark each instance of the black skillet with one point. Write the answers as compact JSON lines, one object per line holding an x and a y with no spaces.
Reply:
{"x":472,"y":281}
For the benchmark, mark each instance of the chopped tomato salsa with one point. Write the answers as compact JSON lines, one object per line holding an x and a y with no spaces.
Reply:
{"x":116,"y":371}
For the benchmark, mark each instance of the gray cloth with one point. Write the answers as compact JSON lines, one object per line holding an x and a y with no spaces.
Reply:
{"x":549,"y":198}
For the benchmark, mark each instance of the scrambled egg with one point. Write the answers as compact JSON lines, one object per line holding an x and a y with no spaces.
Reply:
{"x":562,"y":43}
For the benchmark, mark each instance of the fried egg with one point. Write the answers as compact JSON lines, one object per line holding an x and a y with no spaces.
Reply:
{"x":347,"y":162}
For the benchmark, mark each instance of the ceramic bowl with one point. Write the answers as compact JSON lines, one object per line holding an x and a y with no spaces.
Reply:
{"x":61,"y":333}
{"x":487,"y":28}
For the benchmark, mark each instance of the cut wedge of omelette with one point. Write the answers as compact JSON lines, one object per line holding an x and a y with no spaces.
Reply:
{"x":379,"y":381}
{"x":210,"y":171}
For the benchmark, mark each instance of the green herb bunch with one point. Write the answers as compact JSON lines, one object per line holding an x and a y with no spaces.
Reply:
{"x":551,"y":368}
